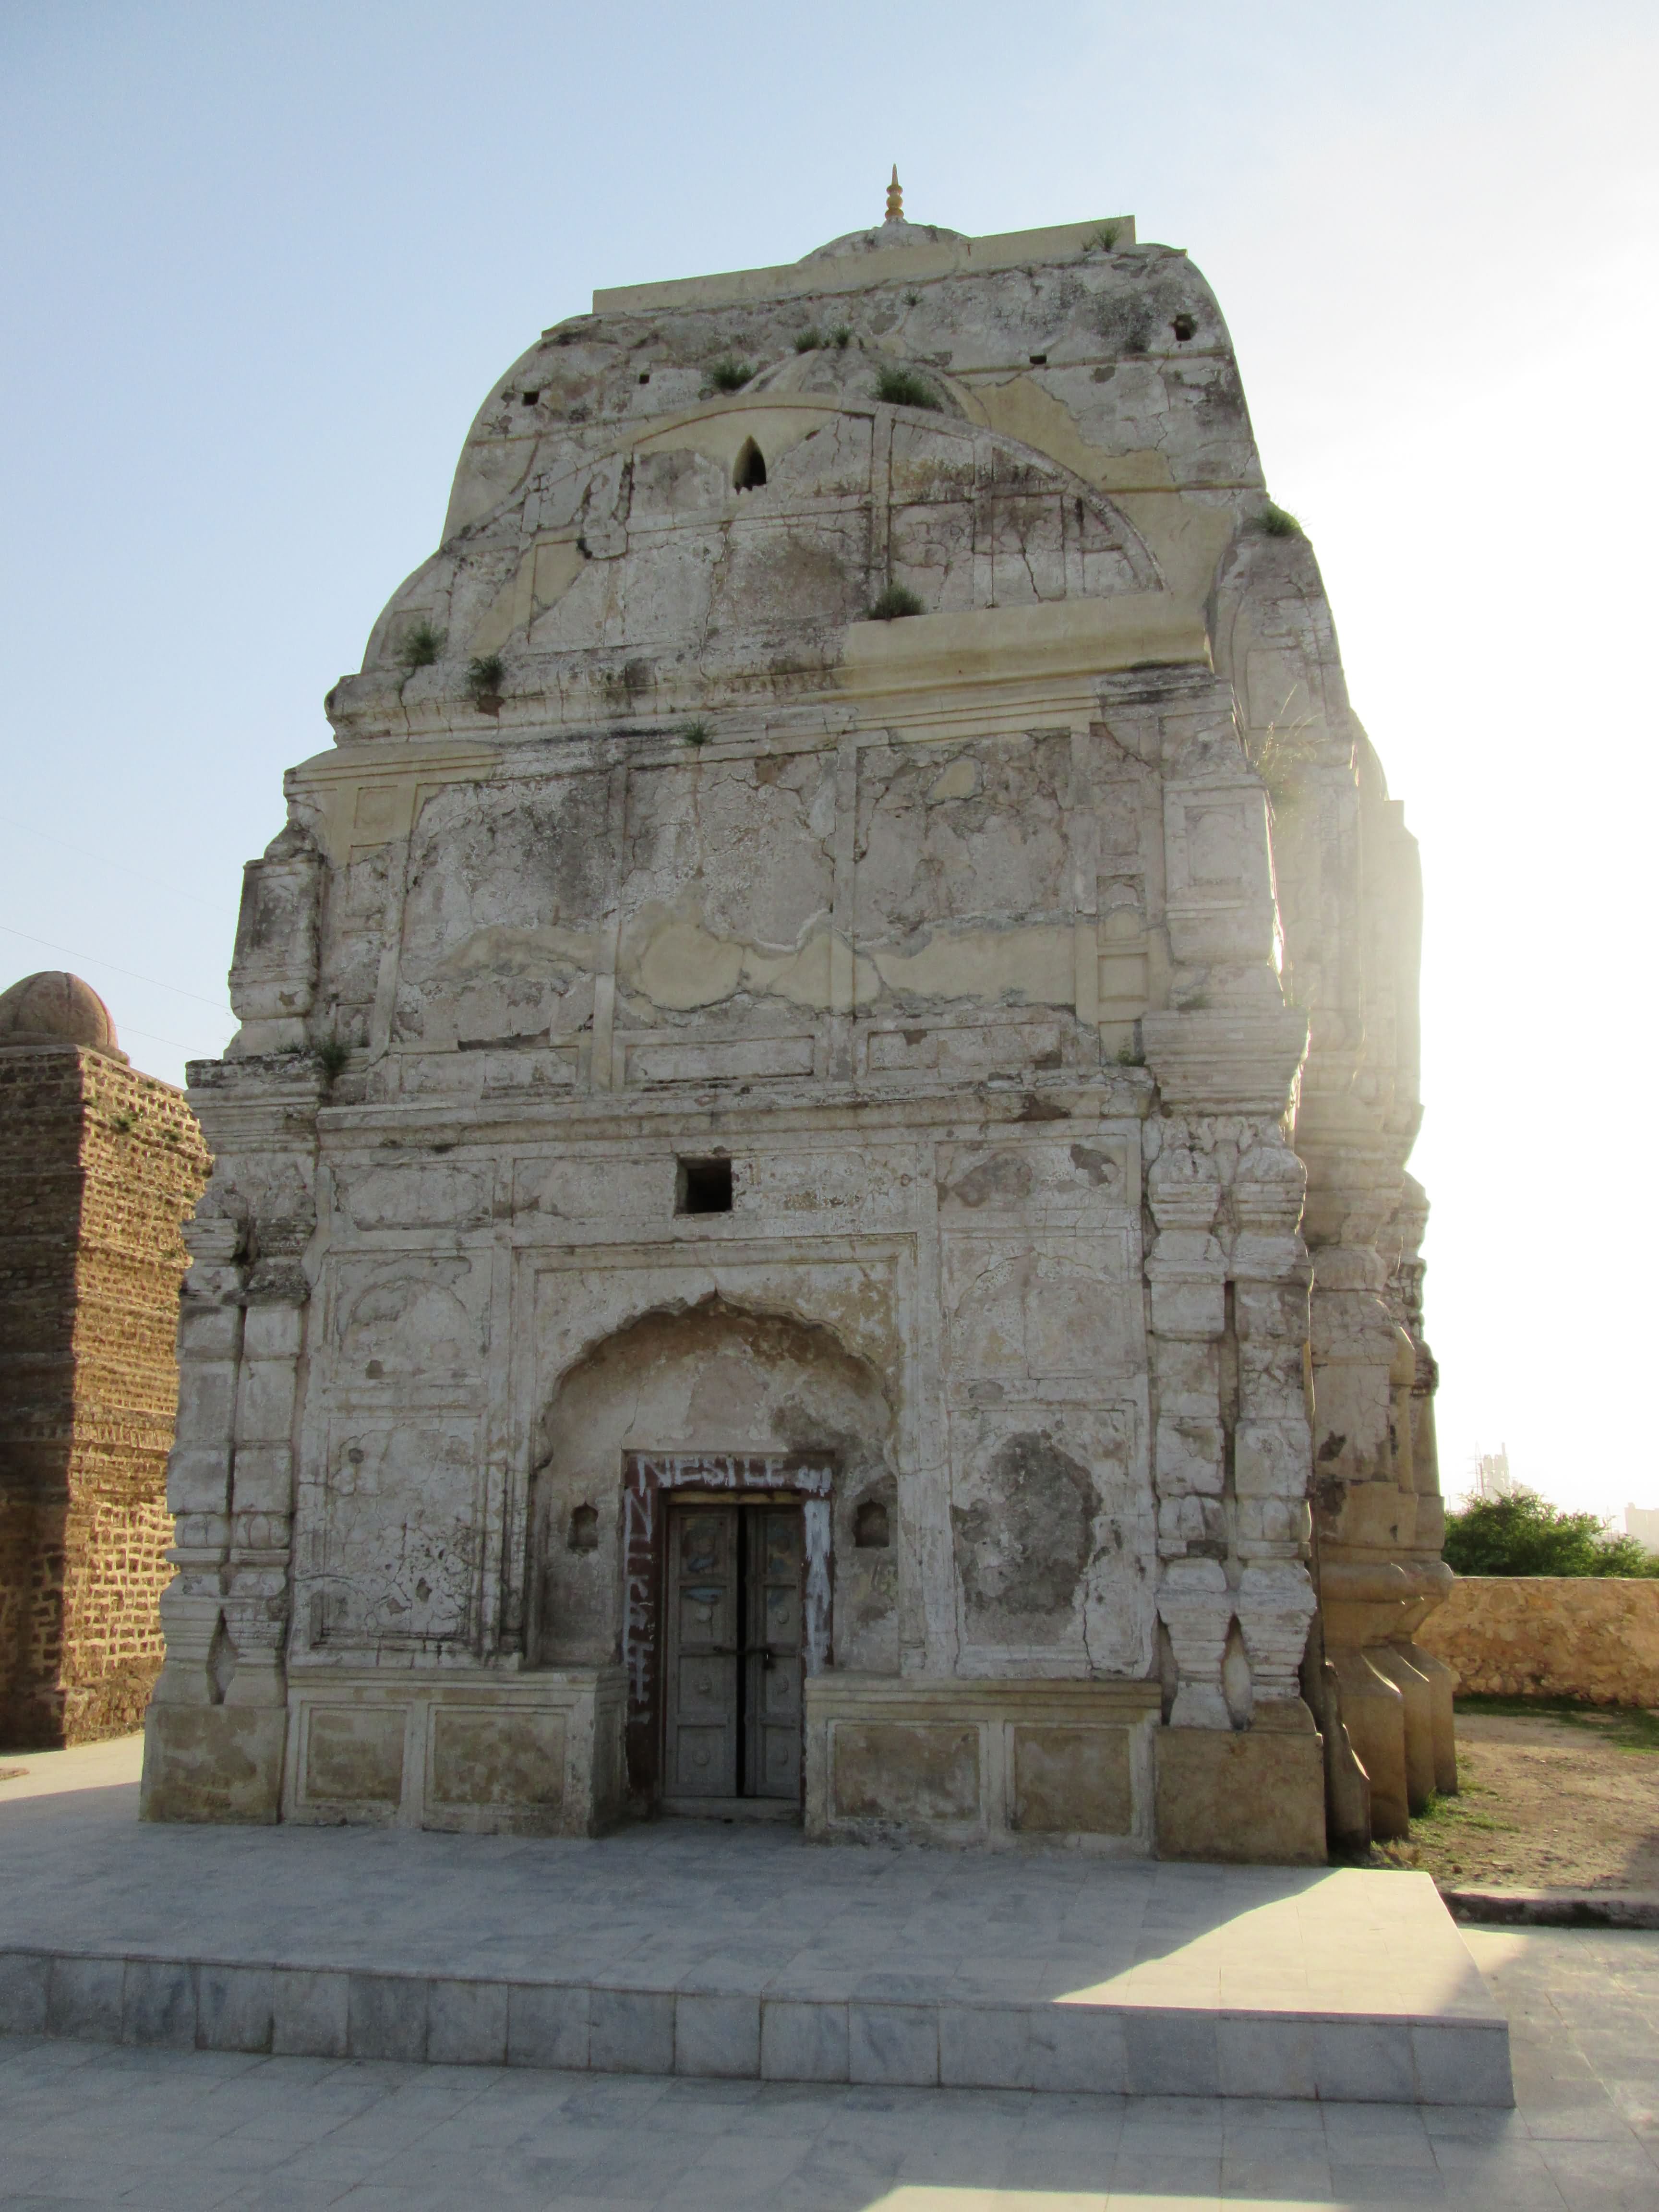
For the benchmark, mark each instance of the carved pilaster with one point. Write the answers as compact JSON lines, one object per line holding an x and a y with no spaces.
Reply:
{"x":1187,"y":1275}
{"x":1196,"y":1608}
{"x":273,"y":976}
{"x":1273,"y":1450}
{"x":1276,"y":1605}
{"x":200,"y":1466}
{"x":257,"y":1588}
{"x":231,"y":1478}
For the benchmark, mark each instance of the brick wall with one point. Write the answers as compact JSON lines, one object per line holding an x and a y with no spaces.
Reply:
{"x":100,"y":1166}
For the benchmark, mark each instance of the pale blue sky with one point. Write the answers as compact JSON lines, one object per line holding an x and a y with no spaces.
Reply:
{"x":259,"y":265}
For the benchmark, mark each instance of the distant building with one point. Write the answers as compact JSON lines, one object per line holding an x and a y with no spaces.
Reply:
{"x":100,"y":1166}
{"x":1641,"y":1522}
{"x":1493,"y":1478}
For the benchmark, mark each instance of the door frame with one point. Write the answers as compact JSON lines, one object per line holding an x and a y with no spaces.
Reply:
{"x":807,"y":1477}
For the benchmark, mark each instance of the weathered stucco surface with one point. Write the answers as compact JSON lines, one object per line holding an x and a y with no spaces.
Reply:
{"x":1018,"y":957}
{"x":1551,"y":1636}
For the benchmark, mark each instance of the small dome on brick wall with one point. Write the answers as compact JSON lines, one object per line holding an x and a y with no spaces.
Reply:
{"x":56,"y":1008}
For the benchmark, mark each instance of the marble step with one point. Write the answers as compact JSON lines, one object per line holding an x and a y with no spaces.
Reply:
{"x":1108,"y":2048}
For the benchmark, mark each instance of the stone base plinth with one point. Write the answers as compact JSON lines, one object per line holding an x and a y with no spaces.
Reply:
{"x":1255,"y":1798}
{"x":532,"y":1754}
{"x":898,"y":1759}
{"x":538,"y":1755}
{"x":212,"y":1763}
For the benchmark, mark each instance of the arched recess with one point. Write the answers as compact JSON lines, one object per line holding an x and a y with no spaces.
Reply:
{"x":976,"y":518}
{"x":710,"y":1381}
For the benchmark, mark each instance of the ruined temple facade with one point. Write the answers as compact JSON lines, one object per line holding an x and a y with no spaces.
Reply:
{"x":100,"y":1166}
{"x":810,"y":1216}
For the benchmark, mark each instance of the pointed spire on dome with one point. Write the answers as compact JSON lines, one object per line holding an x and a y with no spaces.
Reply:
{"x":895,"y":198}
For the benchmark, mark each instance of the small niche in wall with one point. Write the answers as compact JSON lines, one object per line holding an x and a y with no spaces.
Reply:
{"x":870,"y":1531}
{"x":703,"y":1187}
{"x":750,"y":473}
{"x":584,"y":1530}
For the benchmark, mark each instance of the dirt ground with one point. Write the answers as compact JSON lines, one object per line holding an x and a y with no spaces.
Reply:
{"x":1553,"y":1796}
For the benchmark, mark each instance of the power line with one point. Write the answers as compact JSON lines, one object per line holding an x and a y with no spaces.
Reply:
{"x":126,"y":1028}
{"x":97,"y":960}
{"x":155,"y":883}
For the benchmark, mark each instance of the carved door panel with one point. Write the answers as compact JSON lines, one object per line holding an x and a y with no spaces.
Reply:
{"x":774,"y":1575}
{"x":703,"y":1636}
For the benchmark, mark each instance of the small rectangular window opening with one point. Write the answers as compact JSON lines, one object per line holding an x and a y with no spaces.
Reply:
{"x":703,"y":1187}
{"x":1039,"y":361}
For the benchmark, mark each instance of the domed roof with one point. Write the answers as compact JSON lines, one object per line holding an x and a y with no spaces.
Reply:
{"x":883,"y":237}
{"x":56,"y":1008}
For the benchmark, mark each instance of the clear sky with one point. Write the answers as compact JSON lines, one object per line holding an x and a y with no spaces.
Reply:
{"x":258,"y":266}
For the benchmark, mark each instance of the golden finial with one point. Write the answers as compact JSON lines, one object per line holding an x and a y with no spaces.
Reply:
{"x":895,"y":198}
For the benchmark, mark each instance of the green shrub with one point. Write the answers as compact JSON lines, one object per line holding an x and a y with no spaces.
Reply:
{"x":1104,"y":239}
{"x":729,"y":374}
{"x":331,"y":1057}
{"x":809,"y":340}
{"x":893,"y":603}
{"x":841,"y":337}
{"x":422,"y":647}
{"x":485,"y":676}
{"x":903,"y":387}
{"x":696,"y":735}
{"x":1277,"y":522}
{"x":1528,"y":1535}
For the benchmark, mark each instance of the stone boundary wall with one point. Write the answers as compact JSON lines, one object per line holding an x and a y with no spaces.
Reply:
{"x":1550,"y":1636}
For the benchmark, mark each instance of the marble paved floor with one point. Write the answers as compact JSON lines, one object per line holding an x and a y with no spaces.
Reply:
{"x":83,"y":2125}
{"x":697,"y":1906}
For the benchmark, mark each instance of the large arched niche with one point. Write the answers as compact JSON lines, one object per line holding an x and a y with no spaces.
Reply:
{"x":662,"y":537}
{"x":711,"y":1378}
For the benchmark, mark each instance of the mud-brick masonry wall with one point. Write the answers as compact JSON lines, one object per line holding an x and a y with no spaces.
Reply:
{"x":99,"y":1165}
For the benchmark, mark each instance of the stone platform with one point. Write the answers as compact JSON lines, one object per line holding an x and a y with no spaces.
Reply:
{"x":706,"y":1950}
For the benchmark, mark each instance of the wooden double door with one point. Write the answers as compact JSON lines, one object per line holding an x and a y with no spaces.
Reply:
{"x":734,"y":1669}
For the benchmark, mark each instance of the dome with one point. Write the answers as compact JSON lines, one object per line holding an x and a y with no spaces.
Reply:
{"x":56,"y":1008}
{"x":882,"y":238}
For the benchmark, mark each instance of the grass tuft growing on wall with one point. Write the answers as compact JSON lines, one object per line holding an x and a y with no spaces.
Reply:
{"x":485,"y":676}
{"x":728,"y":374}
{"x":894,"y":603}
{"x":422,"y":648}
{"x":897,"y":386}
